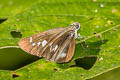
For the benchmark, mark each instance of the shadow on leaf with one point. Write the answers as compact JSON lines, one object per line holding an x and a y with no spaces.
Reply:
{"x":14,"y":58}
{"x":2,"y":20}
{"x":85,"y":62}
{"x":89,"y":54}
{"x":85,"y":55}
{"x":16,"y":34}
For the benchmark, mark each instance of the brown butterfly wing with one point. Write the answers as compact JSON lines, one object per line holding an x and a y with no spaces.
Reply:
{"x":33,"y":47}
{"x":70,"y":52}
{"x":56,"y":45}
{"x":65,"y":48}
{"x":60,"y":37}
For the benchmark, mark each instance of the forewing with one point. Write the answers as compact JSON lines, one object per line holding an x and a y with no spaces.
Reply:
{"x":33,"y":44}
{"x":62,"y":49}
{"x":70,"y":51}
{"x":67,"y":52}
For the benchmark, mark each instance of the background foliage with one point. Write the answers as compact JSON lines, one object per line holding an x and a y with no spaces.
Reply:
{"x":99,"y":24}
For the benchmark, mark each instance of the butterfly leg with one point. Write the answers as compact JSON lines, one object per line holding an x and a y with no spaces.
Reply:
{"x":80,"y":37}
{"x":83,"y":38}
{"x":85,"y":48}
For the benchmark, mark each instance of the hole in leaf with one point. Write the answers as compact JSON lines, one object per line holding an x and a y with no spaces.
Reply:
{"x":94,"y":33}
{"x":92,"y":51}
{"x":111,"y":22}
{"x":14,"y":75}
{"x":2,"y":20}
{"x":14,"y":58}
{"x":85,"y":62}
{"x":81,"y":75}
{"x":55,"y":69}
{"x":105,"y":51}
{"x":14,"y":24}
{"x":16,"y":34}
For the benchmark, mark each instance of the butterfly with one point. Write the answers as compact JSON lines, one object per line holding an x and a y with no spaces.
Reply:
{"x":56,"y":45}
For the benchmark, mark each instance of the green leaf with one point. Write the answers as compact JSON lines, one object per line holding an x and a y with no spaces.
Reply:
{"x":9,"y":8}
{"x":99,"y":24}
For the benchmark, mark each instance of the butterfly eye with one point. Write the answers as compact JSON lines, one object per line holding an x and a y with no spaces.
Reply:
{"x":77,"y":25}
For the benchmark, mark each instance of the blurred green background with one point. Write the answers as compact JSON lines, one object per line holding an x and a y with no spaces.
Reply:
{"x":19,"y":18}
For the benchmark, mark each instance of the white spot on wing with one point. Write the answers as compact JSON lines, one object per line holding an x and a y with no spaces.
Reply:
{"x":44,"y":42}
{"x":63,"y":55}
{"x":38,"y":44}
{"x":51,"y":43}
{"x":30,"y":39}
{"x":33,"y":44}
{"x":55,"y":47}
{"x":71,"y":35}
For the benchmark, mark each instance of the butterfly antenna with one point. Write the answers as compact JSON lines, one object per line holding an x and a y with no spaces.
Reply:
{"x":87,"y":20}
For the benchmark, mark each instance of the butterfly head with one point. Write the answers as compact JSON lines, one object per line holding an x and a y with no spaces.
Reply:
{"x":76,"y":25}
